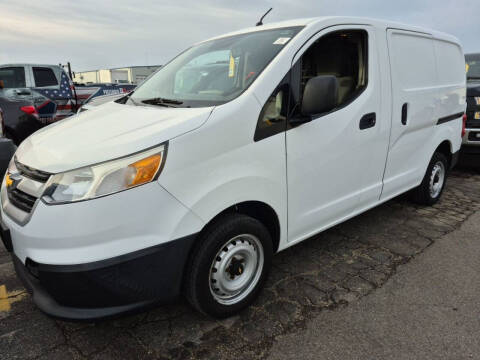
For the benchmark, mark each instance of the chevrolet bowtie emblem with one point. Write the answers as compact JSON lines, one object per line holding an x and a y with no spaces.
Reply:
{"x":9,"y":181}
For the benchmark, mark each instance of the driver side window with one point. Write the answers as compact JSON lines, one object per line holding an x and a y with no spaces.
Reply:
{"x":342,"y":54}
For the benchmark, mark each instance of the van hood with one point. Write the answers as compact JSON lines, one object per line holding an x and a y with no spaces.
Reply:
{"x":104,"y":133}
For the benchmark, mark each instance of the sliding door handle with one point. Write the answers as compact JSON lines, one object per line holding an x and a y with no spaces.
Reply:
{"x":404,"y":114}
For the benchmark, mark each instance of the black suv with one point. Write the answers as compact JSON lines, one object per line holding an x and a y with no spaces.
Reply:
{"x":7,"y":148}
{"x":471,"y":140}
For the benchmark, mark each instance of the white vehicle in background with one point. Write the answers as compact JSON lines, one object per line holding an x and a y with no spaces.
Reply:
{"x":99,"y":100}
{"x":240,"y":147}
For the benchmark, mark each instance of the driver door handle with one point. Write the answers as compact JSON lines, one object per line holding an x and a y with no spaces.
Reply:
{"x":368,"y":121}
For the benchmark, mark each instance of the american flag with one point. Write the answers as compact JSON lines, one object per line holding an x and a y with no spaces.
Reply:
{"x":63,"y":92}
{"x":55,"y":102}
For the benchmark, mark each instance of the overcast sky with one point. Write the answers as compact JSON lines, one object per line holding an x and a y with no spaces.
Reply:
{"x":95,"y":34}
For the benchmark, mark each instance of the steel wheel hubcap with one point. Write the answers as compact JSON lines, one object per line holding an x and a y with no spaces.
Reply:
{"x":236,"y":269}
{"x":437,"y":179}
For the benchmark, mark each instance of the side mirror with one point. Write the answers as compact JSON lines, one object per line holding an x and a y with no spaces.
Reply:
{"x":2,"y":84}
{"x":320,"y":95}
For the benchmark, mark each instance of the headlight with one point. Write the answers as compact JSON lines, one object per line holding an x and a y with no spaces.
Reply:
{"x":12,"y":167}
{"x":106,"y":178}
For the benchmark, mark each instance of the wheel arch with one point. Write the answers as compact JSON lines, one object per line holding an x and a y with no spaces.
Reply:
{"x":258,"y":210}
{"x":445,"y":148}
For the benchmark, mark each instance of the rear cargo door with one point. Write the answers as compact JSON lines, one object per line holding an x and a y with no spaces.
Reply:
{"x":414,"y":90}
{"x":53,"y":93}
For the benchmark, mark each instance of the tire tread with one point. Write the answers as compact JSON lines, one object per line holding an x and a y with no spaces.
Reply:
{"x":206,"y":243}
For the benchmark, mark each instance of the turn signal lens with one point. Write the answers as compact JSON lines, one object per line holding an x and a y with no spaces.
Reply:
{"x":145,"y":170}
{"x":464,"y":125}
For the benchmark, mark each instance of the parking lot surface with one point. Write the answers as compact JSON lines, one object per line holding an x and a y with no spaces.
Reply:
{"x":327,"y":272}
{"x":428,"y":310}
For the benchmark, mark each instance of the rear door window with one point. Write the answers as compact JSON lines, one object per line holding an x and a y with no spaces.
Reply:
{"x":44,"y":77}
{"x":13,"y":77}
{"x":450,"y":63}
{"x":413,"y":62}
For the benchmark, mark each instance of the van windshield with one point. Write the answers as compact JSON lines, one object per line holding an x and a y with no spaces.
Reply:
{"x":473,"y":66}
{"x":213,"y":72}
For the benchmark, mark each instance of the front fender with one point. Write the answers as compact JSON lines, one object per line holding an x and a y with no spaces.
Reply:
{"x":219,"y":164}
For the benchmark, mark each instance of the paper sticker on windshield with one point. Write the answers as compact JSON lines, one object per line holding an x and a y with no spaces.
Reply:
{"x":281,"y":41}
{"x":467,"y":67}
{"x":231,"y":67}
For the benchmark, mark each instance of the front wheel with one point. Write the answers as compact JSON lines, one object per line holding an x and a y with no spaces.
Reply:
{"x":433,"y":183}
{"x":229,"y":266}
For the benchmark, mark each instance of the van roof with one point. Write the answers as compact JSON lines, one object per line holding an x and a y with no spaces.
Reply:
{"x":342,"y":20}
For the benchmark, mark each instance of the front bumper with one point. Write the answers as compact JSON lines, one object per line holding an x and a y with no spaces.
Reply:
{"x":471,"y":137}
{"x":101,"y":257}
{"x":470,"y":151}
{"x":107,"y":288}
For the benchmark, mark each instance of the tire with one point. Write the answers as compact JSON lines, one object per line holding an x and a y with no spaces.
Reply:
{"x":433,"y":183}
{"x":234,"y":250}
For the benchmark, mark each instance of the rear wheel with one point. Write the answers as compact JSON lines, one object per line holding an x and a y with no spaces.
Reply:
{"x":433,"y":183}
{"x":229,"y":266}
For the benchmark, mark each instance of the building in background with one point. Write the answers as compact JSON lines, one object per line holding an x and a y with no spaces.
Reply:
{"x":127,"y":75}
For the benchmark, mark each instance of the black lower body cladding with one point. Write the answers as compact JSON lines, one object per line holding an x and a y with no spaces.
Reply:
{"x":454,"y":160}
{"x":107,"y":288}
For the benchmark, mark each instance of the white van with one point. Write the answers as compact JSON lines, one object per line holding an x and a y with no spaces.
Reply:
{"x":240,"y":147}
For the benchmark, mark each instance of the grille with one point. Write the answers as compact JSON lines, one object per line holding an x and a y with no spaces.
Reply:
{"x":28,"y":186}
{"x":33,"y":174}
{"x":21,"y":200}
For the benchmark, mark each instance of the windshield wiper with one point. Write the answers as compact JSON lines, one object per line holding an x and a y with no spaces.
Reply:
{"x":473,"y":77}
{"x":162,"y":102}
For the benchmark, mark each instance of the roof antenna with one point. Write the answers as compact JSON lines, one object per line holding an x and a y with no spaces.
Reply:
{"x":260,"y":23}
